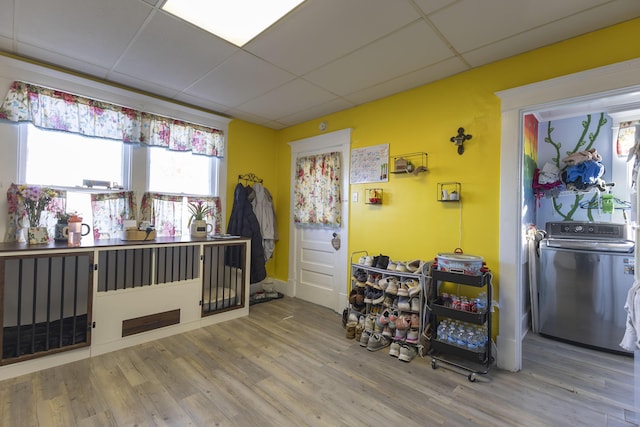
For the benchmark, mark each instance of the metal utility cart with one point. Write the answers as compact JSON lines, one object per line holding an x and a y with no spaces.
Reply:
{"x":480,"y":356}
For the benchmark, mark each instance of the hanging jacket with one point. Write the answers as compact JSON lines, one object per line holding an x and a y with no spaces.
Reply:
{"x":243,"y":222}
{"x":262,"y":205}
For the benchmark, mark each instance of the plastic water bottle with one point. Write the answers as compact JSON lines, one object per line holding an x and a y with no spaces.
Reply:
{"x":472,"y":341}
{"x":443,"y":331}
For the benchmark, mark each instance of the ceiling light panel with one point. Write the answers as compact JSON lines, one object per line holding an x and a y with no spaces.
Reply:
{"x":237,"y":21}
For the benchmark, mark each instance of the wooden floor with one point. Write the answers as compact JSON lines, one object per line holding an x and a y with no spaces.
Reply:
{"x":289,"y":364}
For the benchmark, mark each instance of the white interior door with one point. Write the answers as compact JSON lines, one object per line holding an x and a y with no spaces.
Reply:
{"x":318,"y":271}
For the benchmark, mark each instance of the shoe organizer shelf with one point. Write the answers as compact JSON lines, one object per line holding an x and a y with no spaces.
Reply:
{"x":448,"y":192}
{"x":380,"y":293}
{"x":411,"y":163}
{"x":472,"y":355}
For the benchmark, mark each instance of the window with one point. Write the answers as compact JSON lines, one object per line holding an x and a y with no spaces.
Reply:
{"x":65,"y":159}
{"x":181,"y":172}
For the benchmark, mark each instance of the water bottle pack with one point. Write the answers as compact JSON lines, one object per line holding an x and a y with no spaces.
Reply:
{"x":462,"y":334}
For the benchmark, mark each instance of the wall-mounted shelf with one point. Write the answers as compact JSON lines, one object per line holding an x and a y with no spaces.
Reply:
{"x":373,"y":196}
{"x":448,"y":192}
{"x":411,"y":163}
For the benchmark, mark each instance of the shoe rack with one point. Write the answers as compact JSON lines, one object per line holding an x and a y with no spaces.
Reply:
{"x":381,"y":299}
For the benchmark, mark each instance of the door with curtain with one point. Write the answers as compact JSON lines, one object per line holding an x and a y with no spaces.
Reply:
{"x":318,"y":256}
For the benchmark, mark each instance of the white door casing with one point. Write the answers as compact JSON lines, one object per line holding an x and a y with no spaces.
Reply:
{"x":317,"y":271}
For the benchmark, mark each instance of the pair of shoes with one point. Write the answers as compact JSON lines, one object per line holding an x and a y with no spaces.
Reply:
{"x":409,"y":288}
{"x":407,"y":353}
{"x":400,"y":266}
{"x":377,"y":341}
{"x":392,"y":265}
{"x":382,"y":261}
{"x":369,"y":322}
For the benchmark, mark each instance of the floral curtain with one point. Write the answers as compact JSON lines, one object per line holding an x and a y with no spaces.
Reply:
{"x":215,"y":218}
{"x":317,"y":198}
{"x":52,"y":109}
{"x":32,"y":204}
{"x":164,"y":211}
{"x":109,"y":212}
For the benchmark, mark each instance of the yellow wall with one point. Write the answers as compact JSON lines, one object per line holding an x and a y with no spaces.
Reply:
{"x":411,"y":223}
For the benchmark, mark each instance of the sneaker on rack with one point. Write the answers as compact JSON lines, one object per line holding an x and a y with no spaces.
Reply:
{"x":401,"y":335}
{"x":361,"y":260}
{"x":403,"y":290}
{"x":392,"y":286}
{"x":382,"y":284}
{"x":413,"y":336}
{"x":387,"y":332}
{"x":369,"y":322}
{"x":415,"y":266}
{"x":407,"y":353}
{"x":403,"y":304}
{"x":415,"y":304}
{"x":415,"y":321}
{"x":394,"y":349}
{"x":403,"y":322}
{"x":400,"y":266}
{"x":368,"y":261}
{"x":392,"y":265}
{"x":387,"y":301}
{"x":364,"y":338}
{"x":377,"y":297}
{"x":377,"y":342}
{"x":413,"y":287}
{"x":359,"y":331}
{"x":368,"y":295}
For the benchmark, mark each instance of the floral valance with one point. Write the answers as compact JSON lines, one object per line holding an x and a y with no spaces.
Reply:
{"x":53,"y":109}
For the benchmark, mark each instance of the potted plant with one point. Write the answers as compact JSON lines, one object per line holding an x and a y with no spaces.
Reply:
{"x":198,"y":226}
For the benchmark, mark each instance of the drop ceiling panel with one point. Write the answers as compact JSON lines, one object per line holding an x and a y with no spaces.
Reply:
{"x":51,"y":57}
{"x":6,"y":44}
{"x":558,"y":30}
{"x":296,"y":95}
{"x":171,"y":54}
{"x":317,"y":111}
{"x":430,"y":6}
{"x":239,"y":79}
{"x":323,"y":30}
{"x":414,"y":47}
{"x":89,"y":30}
{"x":6,"y":18}
{"x":142,"y":84}
{"x":408,"y":81}
{"x":461,"y":26}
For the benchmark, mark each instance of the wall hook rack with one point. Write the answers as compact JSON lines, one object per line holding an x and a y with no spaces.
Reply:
{"x":459,"y":140}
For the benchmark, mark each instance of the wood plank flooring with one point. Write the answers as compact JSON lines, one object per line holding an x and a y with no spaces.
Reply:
{"x":289,"y":364}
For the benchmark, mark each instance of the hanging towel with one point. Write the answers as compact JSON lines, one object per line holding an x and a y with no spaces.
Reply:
{"x":632,"y":307}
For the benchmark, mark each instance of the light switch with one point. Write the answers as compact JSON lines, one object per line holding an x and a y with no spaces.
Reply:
{"x":354,"y":197}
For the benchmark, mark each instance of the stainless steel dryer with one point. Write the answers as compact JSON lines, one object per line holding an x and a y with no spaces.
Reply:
{"x":586,"y":271}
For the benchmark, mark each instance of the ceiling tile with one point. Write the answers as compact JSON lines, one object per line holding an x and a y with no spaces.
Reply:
{"x":89,"y":30}
{"x":204,"y":102}
{"x":461,"y":26}
{"x":6,"y":18}
{"x":239,"y":79}
{"x":6,"y":44}
{"x":414,"y":47}
{"x":142,"y":84}
{"x":50,"y":57}
{"x":563,"y":29}
{"x":408,"y":81}
{"x":322,"y":30}
{"x":318,"y":111}
{"x":430,"y":6}
{"x":169,"y":53}
{"x":296,"y":95}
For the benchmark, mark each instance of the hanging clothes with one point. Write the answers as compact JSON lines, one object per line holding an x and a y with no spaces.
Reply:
{"x":243,"y":222}
{"x":262,"y":205}
{"x":630,"y":341}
